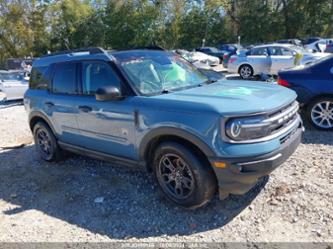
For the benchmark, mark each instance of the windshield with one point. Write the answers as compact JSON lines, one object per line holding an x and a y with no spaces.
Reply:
{"x":11,"y":76}
{"x":154,"y":72}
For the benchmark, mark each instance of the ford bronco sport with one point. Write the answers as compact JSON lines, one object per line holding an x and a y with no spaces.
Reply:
{"x":152,"y":109}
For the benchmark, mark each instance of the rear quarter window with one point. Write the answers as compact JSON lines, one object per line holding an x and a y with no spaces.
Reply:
{"x":64,"y":78}
{"x":38,"y":78}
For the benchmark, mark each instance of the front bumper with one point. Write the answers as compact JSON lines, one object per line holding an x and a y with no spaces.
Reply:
{"x":239,"y":175}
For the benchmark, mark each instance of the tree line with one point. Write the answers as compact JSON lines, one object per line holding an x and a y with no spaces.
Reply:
{"x":34,"y":27}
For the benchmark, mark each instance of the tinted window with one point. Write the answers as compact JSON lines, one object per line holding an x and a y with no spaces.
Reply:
{"x":96,"y":75}
{"x":38,"y":79}
{"x":259,"y":51}
{"x":64,"y":79}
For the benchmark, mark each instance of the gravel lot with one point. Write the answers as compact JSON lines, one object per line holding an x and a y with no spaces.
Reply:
{"x":42,"y":201}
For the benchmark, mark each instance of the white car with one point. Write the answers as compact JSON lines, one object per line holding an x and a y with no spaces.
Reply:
{"x":12,"y":85}
{"x":270,"y":59}
{"x":318,"y":46}
{"x":194,"y":57}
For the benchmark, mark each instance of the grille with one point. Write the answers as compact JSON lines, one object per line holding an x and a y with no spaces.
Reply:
{"x":283,"y":118}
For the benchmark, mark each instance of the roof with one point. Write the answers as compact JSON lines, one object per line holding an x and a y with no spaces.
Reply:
{"x":88,"y":54}
{"x":71,"y":55}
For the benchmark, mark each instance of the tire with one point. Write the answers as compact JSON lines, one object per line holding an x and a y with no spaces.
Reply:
{"x":245,"y":71}
{"x":46,"y":143}
{"x":172,"y":164}
{"x":319,"y":113}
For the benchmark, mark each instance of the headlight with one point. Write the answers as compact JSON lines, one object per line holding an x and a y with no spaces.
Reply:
{"x":262,"y":127}
{"x":246,"y":129}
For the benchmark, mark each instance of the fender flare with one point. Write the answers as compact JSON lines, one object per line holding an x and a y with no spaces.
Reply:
{"x":38,"y":114}
{"x":171,"y":131}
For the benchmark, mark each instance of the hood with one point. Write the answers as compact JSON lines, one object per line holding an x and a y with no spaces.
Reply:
{"x":230,"y":97}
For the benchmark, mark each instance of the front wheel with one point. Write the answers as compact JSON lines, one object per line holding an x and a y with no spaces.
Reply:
{"x":182,"y":176}
{"x":246,"y":72}
{"x":320,"y":113}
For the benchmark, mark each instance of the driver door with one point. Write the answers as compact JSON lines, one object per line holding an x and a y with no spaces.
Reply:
{"x":105,"y":126}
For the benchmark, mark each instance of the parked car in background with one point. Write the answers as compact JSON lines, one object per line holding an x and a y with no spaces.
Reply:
{"x":310,"y":40}
{"x":12,"y":84}
{"x":19,"y":64}
{"x":198,"y":57}
{"x":153,"y":109}
{"x":230,"y":49}
{"x":212,"y":51}
{"x":329,"y":46}
{"x":203,"y":62}
{"x":269,"y":59}
{"x":313,"y":84}
{"x":295,"y":42}
{"x":317,"y":46}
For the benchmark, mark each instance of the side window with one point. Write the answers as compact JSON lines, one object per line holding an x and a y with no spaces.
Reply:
{"x":259,"y":51}
{"x":286,"y":52}
{"x":64,"y":79}
{"x":97,"y":74}
{"x":38,"y":79}
{"x":275,"y":51}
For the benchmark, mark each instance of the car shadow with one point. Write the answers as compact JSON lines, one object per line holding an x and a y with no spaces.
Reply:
{"x":314,"y":136}
{"x":131,"y":205}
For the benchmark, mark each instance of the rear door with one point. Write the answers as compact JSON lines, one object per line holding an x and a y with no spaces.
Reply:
{"x":282,"y":58}
{"x":61,"y":104}
{"x":259,"y":60}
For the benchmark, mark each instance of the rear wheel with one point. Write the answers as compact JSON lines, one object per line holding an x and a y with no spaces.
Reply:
{"x":246,"y":71}
{"x":182,"y":176}
{"x":46,"y":142}
{"x":320,"y":113}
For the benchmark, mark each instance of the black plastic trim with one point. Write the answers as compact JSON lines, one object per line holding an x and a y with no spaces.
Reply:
{"x":170,"y":131}
{"x":100,"y":155}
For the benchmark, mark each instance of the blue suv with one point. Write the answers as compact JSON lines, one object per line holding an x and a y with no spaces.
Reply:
{"x":152,"y":109}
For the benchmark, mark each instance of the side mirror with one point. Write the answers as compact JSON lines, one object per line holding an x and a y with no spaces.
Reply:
{"x":108,"y":93}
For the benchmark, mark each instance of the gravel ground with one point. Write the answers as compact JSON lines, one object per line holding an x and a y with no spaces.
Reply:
{"x":81,"y":199}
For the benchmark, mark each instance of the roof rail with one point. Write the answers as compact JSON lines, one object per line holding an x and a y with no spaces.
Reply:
{"x":92,"y":50}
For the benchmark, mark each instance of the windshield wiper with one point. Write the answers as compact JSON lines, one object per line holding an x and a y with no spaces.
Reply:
{"x":210,"y":81}
{"x":164,"y":91}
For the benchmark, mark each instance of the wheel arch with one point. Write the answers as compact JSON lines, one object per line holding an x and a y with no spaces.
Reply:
{"x":317,"y":97}
{"x":159,"y":135}
{"x":36,"y":117}
{"x":245,"y":64}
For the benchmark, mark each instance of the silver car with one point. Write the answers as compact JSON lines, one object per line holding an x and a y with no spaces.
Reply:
{"x":269,"y":59}
{"x":12,"y":85}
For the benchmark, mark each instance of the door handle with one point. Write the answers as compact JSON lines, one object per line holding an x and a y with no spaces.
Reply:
{"x":49,"y":104}
{"x":85,"y":108}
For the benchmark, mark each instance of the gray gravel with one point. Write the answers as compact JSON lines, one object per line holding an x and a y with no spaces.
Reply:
{"x":81,"y":199}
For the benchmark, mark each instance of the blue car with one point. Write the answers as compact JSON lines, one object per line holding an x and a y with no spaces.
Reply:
{"x":313,"y":84}
{"x":152,"y":109}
